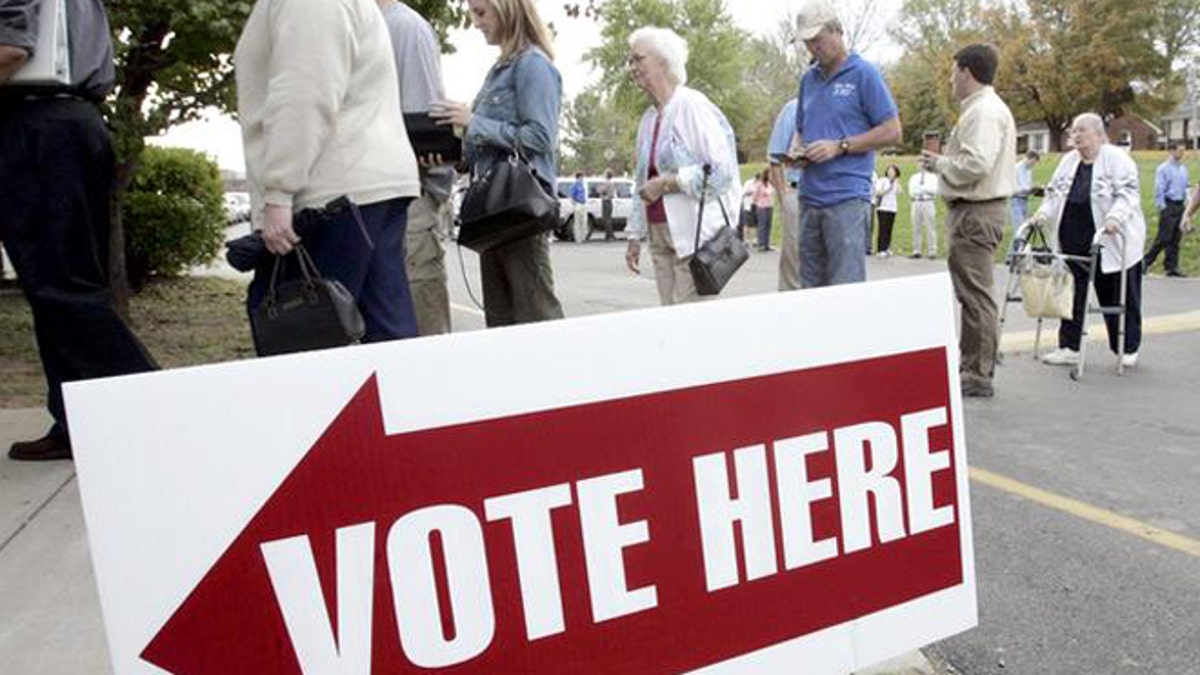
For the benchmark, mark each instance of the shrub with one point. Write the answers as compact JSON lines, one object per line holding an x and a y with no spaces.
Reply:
{"x":173,"y":213}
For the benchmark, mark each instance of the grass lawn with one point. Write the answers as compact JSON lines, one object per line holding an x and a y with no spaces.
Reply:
{"x":1147,"y":161}
{"x":183,"y":322}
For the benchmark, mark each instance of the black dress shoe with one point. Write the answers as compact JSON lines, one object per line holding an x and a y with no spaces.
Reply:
{"x":1176,"y":273}
{"x":978,"y":390}
{"x":44,"y":449}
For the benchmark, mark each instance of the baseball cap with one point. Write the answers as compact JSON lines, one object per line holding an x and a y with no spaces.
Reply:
{"x":812,"y":17}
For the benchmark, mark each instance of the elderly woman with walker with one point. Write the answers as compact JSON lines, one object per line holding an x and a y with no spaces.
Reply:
{"x":1093,"y":208}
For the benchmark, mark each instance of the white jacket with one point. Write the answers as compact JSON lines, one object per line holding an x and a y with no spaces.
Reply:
{"x":1116,"y":198}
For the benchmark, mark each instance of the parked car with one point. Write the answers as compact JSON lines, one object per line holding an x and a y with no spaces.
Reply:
{"x":622,"y":205}
{"x":237,"y":207}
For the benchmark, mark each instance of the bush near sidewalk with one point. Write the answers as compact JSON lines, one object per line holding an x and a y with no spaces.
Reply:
{"x":183,"y":322}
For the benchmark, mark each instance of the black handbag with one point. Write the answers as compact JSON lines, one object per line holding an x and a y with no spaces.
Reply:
{"x":305,"y":313}
{"x":713,"y":264}
{"x":509,"y":202}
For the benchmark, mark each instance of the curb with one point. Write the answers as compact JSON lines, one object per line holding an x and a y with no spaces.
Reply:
{"x":913,"y":663}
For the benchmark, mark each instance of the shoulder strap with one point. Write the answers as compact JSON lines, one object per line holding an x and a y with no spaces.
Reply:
{"x":703,"y":195}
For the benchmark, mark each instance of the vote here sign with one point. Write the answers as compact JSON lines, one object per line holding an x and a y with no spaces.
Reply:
{"x":757,"y":485}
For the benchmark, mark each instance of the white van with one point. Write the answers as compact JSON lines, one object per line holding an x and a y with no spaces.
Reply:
{"x":622,"y":205}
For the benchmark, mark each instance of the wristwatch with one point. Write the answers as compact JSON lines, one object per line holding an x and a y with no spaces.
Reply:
{"x":844,"y":146}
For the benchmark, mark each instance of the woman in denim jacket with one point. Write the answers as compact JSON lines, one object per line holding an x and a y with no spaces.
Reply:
{"x":516,"y":111}
{"x":680,"y":133}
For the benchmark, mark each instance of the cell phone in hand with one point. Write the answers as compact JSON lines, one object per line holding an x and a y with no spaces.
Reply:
{"x":932,"y":142}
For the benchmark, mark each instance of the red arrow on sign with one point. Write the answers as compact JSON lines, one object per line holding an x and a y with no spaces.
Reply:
{"x":358,"y":480}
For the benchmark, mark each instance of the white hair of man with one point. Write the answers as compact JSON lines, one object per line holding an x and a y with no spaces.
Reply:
{"x":1092,"y":121}
{"x":667,"y":45}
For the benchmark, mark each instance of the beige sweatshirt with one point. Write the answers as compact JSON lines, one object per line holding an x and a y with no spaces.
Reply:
{"x":319,"y":106}
{"x":981,"y":153}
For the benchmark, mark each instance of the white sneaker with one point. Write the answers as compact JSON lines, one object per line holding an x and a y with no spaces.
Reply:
{"x":1061,"y":357}
{"x":1129,"y":360}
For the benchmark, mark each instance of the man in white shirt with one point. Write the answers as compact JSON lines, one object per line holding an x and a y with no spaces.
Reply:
{"x":923,"y":189}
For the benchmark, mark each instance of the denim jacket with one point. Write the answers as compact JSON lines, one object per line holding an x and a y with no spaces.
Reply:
{"x":517,"y":105}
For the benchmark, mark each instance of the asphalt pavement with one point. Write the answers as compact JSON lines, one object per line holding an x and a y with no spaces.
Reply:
{"x":1085,"y":499}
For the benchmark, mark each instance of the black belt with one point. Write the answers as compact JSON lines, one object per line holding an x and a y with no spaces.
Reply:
{"x":27,"y":94}
{"x":974,"y":202}
{"x":1178,"y":202}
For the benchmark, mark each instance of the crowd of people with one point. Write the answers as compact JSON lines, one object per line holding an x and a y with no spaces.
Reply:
{"x":323,"y":89}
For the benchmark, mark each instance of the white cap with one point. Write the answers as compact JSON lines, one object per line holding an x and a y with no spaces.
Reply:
{"x":812,"y":17}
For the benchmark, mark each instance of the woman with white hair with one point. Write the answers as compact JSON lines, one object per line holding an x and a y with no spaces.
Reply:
{"x":1096,"y":187}
{"x":680,"y":133}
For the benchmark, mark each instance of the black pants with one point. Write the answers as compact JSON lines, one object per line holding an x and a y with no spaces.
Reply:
{"x":56,"y":172}
{"x":1168,"y":237}
{"x":886,"y":220}
{"x":1108,"y":290}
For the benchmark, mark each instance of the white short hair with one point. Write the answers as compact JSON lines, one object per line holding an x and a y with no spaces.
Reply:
{"x":1092,"y":121}
{"x":667,"y":45}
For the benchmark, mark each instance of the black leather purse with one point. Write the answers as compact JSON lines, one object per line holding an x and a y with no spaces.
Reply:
{"x":305,"y":313}
{"x":714,"y":264}
{"x":509,"y":202}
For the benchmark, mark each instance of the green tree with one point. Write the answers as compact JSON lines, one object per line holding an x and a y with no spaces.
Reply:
{"x":597,"y":134}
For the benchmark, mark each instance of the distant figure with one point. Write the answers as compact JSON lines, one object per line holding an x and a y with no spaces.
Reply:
{"x":764,"y":209}
{"x":785,"y":176}
{"x":56,"y":173}
{"x":846,"y":113}
{"x":680,"y":133}
{"x":1095,"y":188}
{"x":887,"y":191}
{"x":1019,"y":204}
{"x":922,"y":190}
{"x":517,"y":108}
{"x":977,"y":178}
{"x":579,"y":204}
{"x":607,"y":193}
{"x":419,"y":67}
{"x":746,"y":219}
{"x":1170,"y":193}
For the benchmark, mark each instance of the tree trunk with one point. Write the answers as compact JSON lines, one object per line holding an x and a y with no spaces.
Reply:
{"x":118,"y":274}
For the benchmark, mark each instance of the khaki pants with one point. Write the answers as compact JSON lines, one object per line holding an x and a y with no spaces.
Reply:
{"x":425,"y":259}
{"x":518,"y":284}
{"x":674,"y":277}
{"x":975,"y":231}
{"x":924,"y":222}
{"x":789,"y":245}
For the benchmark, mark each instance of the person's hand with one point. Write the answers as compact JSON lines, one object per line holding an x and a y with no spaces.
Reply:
{"x":654,"y":189}
{"x":632,"y":254}
{"x":1112,"y":227}
{"x":277,"y":229}
{"x":929,"y":160}
{"x":431,"y":161}
{"x":819,"y":152}
{"x":448,"y":113}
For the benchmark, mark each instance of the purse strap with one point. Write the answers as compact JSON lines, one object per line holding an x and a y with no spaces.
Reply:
{"x":707,"y":170}
{"x":308,"y":268}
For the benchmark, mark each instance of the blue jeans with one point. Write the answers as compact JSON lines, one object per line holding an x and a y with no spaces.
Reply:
{"x":369,"y":261}
{"x":764,"y":216}
{"x":832,"y":241}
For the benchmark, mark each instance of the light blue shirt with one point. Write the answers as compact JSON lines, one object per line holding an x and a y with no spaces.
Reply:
{"x":781,"y":139}
{"x":1170,"y":182}
{"x":1024,"y":180}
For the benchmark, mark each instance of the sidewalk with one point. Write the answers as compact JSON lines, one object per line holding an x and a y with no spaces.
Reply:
{"x":50,"y":622}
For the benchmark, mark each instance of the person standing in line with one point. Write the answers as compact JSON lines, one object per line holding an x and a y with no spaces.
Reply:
{"x":419,"y":67}
{"x":887,"y":190}
{"x":746,"y":217}
{"x":56,"y":169}
{"x":977,"y":177}
{"x":922,"y":189}
{"x":517,"y":109}
{"x":579,"y":209}
{"x":845,"y":113}
{"x":319,"y":105}
{"x":1096,"y":189}
{"x":608,"y":192}
{"x":785,"y":176}
{"x":764,"y":209}
{"x":1170,"y":194}
{"x":686,"y":152}
{"x":1020,"y":199}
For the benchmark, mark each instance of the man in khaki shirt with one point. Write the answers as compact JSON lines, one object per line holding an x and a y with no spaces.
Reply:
{"x":977,"y":178}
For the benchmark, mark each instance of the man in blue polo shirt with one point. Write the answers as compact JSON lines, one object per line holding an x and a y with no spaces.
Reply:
{"x":846,"y":113}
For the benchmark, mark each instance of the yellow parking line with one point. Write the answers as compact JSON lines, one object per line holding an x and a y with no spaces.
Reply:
{"x":1170,"y":323}
{"x":1088,"y":512}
